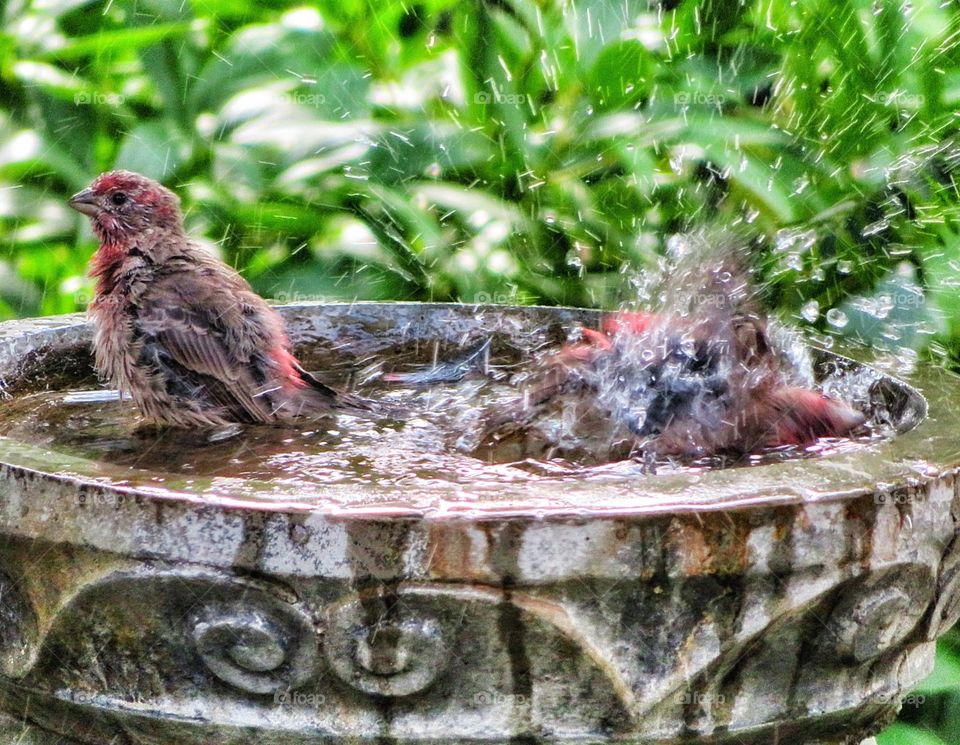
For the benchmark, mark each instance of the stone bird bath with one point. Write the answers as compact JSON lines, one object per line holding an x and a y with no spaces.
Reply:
{"x":792,"y":602}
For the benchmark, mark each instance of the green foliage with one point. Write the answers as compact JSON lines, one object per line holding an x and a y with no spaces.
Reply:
{"x":931,"y":713}
{"x":524,"y":151}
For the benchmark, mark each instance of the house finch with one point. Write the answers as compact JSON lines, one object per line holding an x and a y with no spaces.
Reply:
{"x":701,"y":376}
{"x":177,"y":328}
{"x":700,"y":384}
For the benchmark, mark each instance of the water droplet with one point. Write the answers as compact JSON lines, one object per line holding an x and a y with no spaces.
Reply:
{"x":891,"y":332}
{"x":836,"y":318}
{"x":810,"y":311}
{"x":876,"y":227}
{"x":677,"y":246}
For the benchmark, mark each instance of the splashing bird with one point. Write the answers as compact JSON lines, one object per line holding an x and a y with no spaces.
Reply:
{"x":701,"y":376}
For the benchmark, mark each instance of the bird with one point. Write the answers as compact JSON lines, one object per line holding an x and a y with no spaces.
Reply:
{"x":707,"y":384}
{"x":179,"y":330}
{"x":702,"y":373}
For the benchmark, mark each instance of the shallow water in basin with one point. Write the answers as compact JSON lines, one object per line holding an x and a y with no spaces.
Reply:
{"x":421,"y":451}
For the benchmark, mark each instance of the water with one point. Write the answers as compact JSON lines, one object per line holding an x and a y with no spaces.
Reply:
{"x":423,"y":441}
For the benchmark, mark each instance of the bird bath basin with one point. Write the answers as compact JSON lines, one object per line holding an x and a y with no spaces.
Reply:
{"x":792,"y":601}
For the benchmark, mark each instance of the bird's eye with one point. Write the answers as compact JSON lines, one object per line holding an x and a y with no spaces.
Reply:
{"x":118,"y":198}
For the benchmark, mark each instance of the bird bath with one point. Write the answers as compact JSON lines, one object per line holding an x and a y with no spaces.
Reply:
{"x":793,"y":601}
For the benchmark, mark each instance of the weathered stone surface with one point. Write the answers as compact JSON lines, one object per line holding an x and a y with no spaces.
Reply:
{"x":16,"y":732}
{"x":794,"y":603}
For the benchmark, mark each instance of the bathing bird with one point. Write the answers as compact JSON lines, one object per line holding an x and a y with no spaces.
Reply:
{"x":696,"y":385}
{"x":703,"y":373}
{"x":179,"y":330}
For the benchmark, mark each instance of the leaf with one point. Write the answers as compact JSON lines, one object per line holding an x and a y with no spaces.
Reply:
{"x":111,"y":42}
{"x":751,"y":177}
{"x":170,"y":67}
{"x":52,"y":80}
{"x":302,"y":58}
{"x":430,"y":149}
{"x":468,"y":202}
{"x":282,"y":217}
{"x":25,"y":152}
{"x":642,"y":130}
{"x":592,"y":24}
{"x":326,"y":281}
{"x":906,"y":734}
{"x":155,"y":149}
{"x":402,"y":228}
{"x":16,"y":296}
{"x":290,"y":135}
{"x":492,"y":92}
{"x":622,"y":75}
{"x":941,"y":267}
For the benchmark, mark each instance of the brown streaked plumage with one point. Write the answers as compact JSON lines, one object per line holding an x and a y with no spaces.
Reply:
{"x":178,"y":329}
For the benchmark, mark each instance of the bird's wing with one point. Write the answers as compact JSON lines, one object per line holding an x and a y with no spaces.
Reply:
{"x":206,"y":335}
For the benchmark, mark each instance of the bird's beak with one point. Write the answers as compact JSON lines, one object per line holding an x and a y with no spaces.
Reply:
{"x":86,"y":202}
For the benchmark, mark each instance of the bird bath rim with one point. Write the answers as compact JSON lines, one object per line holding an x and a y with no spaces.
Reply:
{"x":925,"y":451}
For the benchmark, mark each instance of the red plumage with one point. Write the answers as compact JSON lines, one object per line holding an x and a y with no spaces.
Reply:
{"x":702,"y":376}
{"x":177,"y":328}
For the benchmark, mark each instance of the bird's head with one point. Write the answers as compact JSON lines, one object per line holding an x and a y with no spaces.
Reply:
{"x":122,"y":205}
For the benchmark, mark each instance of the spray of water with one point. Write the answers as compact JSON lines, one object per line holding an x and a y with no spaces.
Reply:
{"x":700,"y":371}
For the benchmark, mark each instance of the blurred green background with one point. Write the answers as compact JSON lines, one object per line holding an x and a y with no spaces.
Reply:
{"x":510,"y":151}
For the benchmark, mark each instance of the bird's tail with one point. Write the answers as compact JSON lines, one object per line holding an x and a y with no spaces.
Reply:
{"x":331,"y":397}
{"x":802,"y":416}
